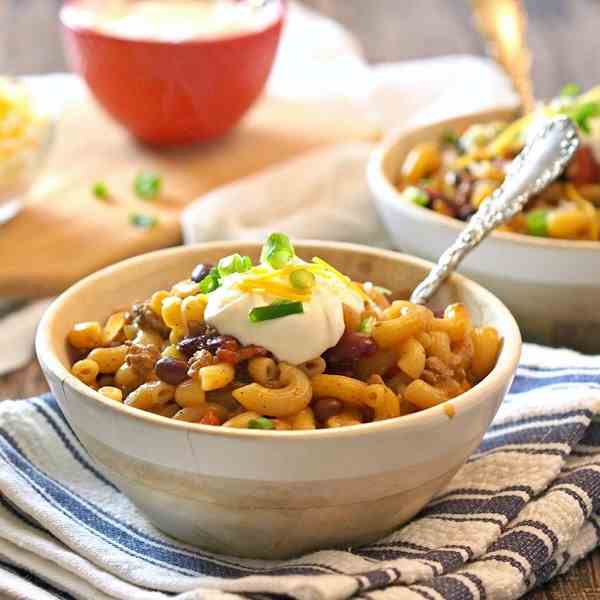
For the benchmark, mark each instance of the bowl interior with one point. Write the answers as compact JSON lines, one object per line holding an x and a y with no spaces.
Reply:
{"x":391,"y":154}
{"x":398,"y":144}
{"x":117,"y":287}
{"x":275,"y":13}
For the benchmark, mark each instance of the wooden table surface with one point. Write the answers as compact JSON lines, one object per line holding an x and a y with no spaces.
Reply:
{"x":563,"y":35}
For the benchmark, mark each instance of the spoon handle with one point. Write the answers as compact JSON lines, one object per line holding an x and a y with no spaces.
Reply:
{"x":541,"y":161}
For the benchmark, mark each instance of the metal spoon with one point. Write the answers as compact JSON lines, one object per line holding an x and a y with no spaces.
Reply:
{"x":503,"y":26}
{"x":541,"y":161}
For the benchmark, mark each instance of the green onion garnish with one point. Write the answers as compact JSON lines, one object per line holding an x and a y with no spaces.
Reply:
{"x":450,"y":138}
{"x":302,"y":279}
{"x":582,"y":113}
{"x":234,"y":264}
{"x":570,"y":90}
{"x":261,"y":423}
{"x":537,"y":223}
{"x":147,"y":185}
{"x":211,"y":282}
{"x":100,"y":190}
{"x":275,"y":311}
{"x":416,"y":196}
{"x":277,"y":250}
{"x":366,"y":325}
{"x":143,"y":221}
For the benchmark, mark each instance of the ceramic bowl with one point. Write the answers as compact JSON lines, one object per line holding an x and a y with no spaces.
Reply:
{"x":264,"y":494}
{"x":169,"y":93}
{"x":551,"y":286}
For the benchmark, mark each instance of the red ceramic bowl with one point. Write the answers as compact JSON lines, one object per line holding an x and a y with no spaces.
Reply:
{"x":170,"y":93}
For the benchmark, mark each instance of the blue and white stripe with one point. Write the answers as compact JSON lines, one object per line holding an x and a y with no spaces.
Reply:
{"x":484,"y":524}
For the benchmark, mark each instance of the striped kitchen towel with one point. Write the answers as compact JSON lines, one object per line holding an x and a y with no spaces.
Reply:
{"x":523,"y":509}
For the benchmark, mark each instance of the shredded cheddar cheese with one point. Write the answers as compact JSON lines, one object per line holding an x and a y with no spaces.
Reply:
{"x":342,"y":278}
{"x":272,"y":288}
{"x":19,"y":123}
{"x":276,"y":282}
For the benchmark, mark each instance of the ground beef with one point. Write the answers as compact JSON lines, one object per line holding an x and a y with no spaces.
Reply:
{"x":142,"y":358}
{"x":145,"y":318}
{"x":201,"y":358}
{"x":436,"y":365}
{"x":430,"y":377}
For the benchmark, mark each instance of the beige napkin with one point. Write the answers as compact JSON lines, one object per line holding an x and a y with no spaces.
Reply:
{"x":324,"y":193}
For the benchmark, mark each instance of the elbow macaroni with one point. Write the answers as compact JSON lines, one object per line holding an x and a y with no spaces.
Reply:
{"x":455,"y":175}
{"x":294,"y":396}
{"x":214,"y":377}
{"x":263,"y":370}
{"x":417,"y":361}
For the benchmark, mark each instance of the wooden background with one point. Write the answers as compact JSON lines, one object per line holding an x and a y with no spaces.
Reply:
{"x":563,"y":35}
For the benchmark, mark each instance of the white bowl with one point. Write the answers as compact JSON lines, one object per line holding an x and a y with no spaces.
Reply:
{"x":551,"y":286}
{"x":265,"y":494}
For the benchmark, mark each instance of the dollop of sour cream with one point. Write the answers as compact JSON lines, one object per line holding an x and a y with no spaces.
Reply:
{"x":170,"y":20}
{"x":294,"y":338}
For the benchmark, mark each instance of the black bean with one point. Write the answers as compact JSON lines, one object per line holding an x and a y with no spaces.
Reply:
{"x":327,"y":407}
{"x":200,"y":272}
{"x":171,"y":370}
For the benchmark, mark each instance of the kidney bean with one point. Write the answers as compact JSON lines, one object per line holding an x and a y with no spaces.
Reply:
{"x":351,"y":347}
{"x":327,"y":407}
{"x":171,"y":370}
{"x":368,"y":413}
{"x":200,"y":272}
{"x":465,"y":212}
{"x":209,"y":340}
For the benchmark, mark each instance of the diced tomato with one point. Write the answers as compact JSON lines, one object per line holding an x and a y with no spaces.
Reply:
{"x":584,"y":168}
{"x":210,"y":418}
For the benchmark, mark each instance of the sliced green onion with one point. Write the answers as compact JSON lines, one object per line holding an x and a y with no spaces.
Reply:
{"x":234,"y":264}
{"x":100,"y":190}
{"x":211,"y":282}
{"x":261,"y":423}
{"x":147,"y":185}
{"x":570,"y":90}
{"x":450,"y":138}
{"x":277,"y":250}
{"x":143,"y":221}
{"x":275,"y":311}
{"x":537,"y":223}
{"x":246,"y":264}
{"x":416,"y":196}
{"x":366,"y":325}
{"x":582,"y":113}
{"x":302,"y":279}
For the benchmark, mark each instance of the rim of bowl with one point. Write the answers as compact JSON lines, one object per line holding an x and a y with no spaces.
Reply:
{"x":379,"y":181}
{"x":90,"y":32}
{"x":503,"y":370}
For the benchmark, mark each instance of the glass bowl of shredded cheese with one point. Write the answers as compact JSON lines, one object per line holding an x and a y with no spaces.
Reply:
{"x":25,"y":134}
